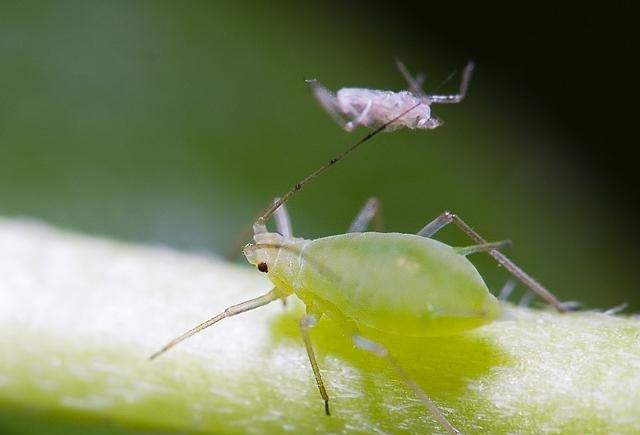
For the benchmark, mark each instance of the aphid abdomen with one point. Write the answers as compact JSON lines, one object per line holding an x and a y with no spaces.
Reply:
{"x":398,"y":283}
{"x":384,"y":106}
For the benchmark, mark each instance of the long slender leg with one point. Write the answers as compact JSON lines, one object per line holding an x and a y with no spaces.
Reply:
{"x":370,"y":210}
{"x":328,"y":101}
{"x":447,"y":217}
{"x":382,"y":352}
{"x":415,"y":84}
{"x":526,"y":299}
{"x":283,"y":221}
{"x":306,"y":323}
{"x":430,"y":229}
{"x":467,"y":250}
{"x":233,"y":310}
{"x":464,"y":85}
{"x":506,"y":290}
{"x":349,"y":126}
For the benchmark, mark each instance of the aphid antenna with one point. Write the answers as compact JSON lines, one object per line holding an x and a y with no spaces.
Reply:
{"x":464,"y":84}
{"x":415,"y":83}
{"x":446,"y":80}
{"x":259,"y":226}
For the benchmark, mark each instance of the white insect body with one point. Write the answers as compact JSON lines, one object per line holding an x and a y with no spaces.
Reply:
{"x":372,"y":108}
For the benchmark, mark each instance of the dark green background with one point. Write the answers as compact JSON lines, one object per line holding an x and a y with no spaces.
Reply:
{"x":174,"y":123}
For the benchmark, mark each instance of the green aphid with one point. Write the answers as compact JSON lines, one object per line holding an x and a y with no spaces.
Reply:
{"x":404,"y":284}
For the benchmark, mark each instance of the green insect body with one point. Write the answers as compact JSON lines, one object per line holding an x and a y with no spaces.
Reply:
{"x":396,"y":283}
{"x":402,"y":284}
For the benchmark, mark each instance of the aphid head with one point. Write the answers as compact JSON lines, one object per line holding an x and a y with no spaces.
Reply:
{"x":264,"y":251}
{"x":428,"y":123}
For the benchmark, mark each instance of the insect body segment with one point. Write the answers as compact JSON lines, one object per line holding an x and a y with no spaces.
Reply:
{"x":397,"y":283}
{"x":372,"y":108}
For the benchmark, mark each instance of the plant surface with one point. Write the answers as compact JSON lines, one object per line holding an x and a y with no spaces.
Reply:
{"x":79,"y":317}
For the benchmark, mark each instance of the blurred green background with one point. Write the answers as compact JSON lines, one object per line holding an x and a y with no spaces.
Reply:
{"x":174,"y":123}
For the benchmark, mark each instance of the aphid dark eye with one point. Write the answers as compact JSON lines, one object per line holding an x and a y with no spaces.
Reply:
{"x":262,"y":267}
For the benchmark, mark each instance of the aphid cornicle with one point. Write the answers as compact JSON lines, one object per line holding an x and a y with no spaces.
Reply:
{"x":403,"y":284}
{"x":372,"y":108}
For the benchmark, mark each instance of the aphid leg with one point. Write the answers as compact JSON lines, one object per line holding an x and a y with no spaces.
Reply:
{"x":349,"y":126}
{"x":370,"y":210}
{"x":306,"y":323}
{"x":328,"y":101}
{"x":447,"y":217}
{"x":464,"y":85}
{"x":283,"y":221}
{"x":526,"y":299}
{"x":233,"y":310}
{"x":382,"y":352}
{"x":415,"y":84}
{"x":506,"y":290}
{"x":467,"y":250}
{"x":430,"y":229}
{"x":615,"y":310}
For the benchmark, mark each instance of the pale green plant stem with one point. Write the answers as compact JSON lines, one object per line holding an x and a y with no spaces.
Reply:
{"x":80,"y":316}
